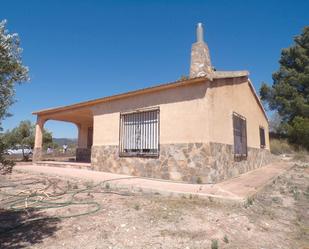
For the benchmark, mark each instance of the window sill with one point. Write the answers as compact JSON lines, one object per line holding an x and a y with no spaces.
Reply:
{"x":141,"y":155}
{"x":239,"y":158}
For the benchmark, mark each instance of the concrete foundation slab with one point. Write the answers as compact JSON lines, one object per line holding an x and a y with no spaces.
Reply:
{"x":235,"y":190}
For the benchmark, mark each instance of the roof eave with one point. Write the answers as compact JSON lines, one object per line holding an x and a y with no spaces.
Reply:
{"x":258,"y":99}
{"x":122,"y":95}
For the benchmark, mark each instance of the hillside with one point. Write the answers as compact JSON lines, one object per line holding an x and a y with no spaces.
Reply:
{"x":68,"y":141}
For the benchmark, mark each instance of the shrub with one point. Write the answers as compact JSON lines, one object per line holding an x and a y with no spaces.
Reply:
{"x":280,"y":146}
{"x":301,"y":156}
{"x":107,"y":186}
{"x":214,"y":244}
{"x":199,"y":180}
{"x":6,"y":165}
{"x":249,"y":202}
{"x":299,"y":132}
{"x":136,"y":206}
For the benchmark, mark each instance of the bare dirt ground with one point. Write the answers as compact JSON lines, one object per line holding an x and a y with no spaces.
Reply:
{"x":35,"y":212}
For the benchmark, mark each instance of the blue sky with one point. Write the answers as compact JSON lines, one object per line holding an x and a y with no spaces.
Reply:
{"x":80,"y":50}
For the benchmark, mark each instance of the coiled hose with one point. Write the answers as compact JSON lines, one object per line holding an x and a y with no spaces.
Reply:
{"x":40,"y":200}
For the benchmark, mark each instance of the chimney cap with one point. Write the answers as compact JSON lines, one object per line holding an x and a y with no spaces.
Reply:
{"x":199,"y":32}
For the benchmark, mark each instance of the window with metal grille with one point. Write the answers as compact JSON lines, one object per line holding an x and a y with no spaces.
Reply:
{"x":240,"y":136}
{"x":139,"y":133}
{"x":262,"y":137}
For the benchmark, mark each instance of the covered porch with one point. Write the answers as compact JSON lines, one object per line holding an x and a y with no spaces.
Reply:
{"x":82,"y":117}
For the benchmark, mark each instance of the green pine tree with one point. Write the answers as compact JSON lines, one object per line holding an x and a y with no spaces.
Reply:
{"x":289,"y":93}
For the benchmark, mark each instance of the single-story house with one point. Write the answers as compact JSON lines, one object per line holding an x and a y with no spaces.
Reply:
{"x":205,"y":128}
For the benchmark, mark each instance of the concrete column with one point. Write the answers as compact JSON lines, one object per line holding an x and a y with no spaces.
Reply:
{"x":83,"y":153}
{"x":37,"y":151}
{"x":82,"y":136}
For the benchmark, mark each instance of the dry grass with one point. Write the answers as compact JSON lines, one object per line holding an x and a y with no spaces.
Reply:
{"x":280,"y":146}
{"x":302,"y":156}
{"x":183,"y":233}
{"x":277,"y":216}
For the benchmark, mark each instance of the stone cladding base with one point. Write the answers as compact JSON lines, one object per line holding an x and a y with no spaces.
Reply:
{"x":192,"y":162}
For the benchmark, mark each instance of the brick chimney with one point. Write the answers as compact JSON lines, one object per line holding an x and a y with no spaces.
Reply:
{"x":200,"y":58}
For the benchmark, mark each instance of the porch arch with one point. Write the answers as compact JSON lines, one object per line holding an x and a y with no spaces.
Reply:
{"x":81,"y":117}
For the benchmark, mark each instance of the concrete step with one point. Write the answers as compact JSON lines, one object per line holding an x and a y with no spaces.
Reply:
{"x":74,"y":165}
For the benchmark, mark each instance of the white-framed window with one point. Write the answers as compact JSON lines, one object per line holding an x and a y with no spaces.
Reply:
{"x":139,"y":133}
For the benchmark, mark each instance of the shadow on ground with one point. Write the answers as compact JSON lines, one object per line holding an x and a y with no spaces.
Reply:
{"x":18,"y":231}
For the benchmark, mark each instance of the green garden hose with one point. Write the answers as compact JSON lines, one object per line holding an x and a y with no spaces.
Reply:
{"x":36,"y":201}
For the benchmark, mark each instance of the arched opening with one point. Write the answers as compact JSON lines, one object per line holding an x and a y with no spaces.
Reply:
{"x":62,"y":124}
{"x":64,"y":141}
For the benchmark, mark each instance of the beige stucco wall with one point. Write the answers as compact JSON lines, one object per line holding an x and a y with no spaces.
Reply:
{"x":197,"y":113}
{"x":226,"y":96}
{"x":183,"y":117}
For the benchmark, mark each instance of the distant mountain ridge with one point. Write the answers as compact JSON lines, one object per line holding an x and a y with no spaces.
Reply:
{"x":62,"y":141}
